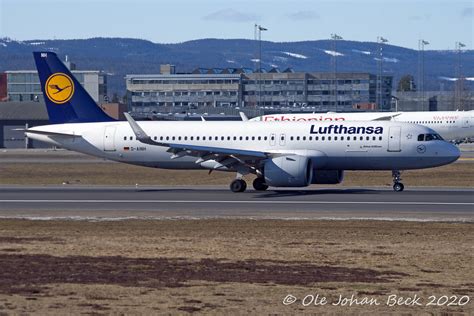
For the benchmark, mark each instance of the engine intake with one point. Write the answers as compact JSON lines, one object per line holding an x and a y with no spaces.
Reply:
{"x":288,"y":171}
{"x":327,"y":176}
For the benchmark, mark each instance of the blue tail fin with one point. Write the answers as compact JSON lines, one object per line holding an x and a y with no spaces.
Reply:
{"x":66,"y":100}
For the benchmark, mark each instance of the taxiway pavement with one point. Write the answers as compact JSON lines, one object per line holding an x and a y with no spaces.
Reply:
{"x":100,"y":202}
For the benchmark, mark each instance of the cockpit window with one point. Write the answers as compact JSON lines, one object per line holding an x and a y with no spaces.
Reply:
{"x":428,"y":137}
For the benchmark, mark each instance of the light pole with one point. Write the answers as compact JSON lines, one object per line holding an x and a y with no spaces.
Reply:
{"x":380,"y":41}
{"x":459,"y":83}
{"x":260,"y":28}
{"x":335,"y":38}
{"x":394,"y":98}
{"x":421,"y":70}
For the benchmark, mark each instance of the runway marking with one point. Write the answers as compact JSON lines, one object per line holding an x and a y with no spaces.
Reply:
{"x":237,"y":202}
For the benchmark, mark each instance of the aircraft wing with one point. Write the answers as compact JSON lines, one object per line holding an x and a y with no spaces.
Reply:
{"x":225,"y":157}
{"x":386,"y":117}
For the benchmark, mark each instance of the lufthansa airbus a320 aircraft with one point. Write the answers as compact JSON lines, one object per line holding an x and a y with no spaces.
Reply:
{"x":280,"y":154}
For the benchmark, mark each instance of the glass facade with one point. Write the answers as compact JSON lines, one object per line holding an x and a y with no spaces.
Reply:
{"x":321,"y":91}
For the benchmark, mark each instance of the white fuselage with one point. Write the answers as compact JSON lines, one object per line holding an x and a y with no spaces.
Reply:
{"x":376,"y":145}
{"x":451,"y":125}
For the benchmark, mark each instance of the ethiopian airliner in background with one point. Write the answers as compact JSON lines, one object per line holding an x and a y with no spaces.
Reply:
{"x":280,"y":154}
{"x":454,"y":126}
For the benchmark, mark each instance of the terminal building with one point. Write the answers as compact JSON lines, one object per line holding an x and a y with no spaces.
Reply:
{"x":243,"y":88}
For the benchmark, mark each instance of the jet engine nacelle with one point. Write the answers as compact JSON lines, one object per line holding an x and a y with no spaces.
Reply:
{"x":288,"y":171}
{"x":327,"y":176}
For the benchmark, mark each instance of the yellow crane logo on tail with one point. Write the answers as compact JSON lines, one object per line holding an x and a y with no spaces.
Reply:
{"x":59,"y":88}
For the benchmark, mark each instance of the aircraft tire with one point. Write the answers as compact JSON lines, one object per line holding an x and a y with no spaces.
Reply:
{"x":238,"y":185}
{"x":259,"y":184}
{"x":398,"y":187}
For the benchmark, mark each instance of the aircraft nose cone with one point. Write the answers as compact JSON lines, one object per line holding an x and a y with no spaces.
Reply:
{"x":452,"y":152}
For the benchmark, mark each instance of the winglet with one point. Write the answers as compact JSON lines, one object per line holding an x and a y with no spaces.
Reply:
{"x":137,"y":130}
{"x":243,"y":116}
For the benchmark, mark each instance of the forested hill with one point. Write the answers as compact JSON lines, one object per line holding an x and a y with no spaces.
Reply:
{"x":121,"y":56}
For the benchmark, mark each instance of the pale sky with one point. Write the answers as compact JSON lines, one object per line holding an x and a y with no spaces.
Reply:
{"x":402,"y":22}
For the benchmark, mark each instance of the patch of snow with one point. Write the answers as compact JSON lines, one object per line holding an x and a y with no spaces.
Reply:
{"x":388,"y":60}
{"x":255,"y":60}
{"x":455,"y":79}
{"x":333,"y":53}
{"x":274,"y":66}
{"x":295,"y":55}
{"x":230,"y":61}
{"x":361,"y":52}
{"x":3,"y":44}
{"x":279,"y":58}
{"x":36,"y":43}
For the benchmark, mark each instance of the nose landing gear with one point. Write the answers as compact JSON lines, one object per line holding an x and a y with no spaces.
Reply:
{"x":397,"y":185}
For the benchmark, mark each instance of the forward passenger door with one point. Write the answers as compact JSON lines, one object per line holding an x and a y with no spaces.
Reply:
{"x":394,"y":138}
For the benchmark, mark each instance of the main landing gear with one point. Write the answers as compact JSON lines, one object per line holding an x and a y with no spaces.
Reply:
{"x":397,"y":185}
{"x":259,"y":184}
{"x":239,"y":185}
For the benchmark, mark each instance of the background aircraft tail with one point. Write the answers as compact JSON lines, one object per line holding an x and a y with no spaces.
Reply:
{"x":66,"y":100}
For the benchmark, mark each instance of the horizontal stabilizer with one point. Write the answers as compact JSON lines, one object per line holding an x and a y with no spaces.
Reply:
{"x":32,"y":131}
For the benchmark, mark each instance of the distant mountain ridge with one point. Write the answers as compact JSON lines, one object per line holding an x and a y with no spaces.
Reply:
{"x":121,"y":56}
